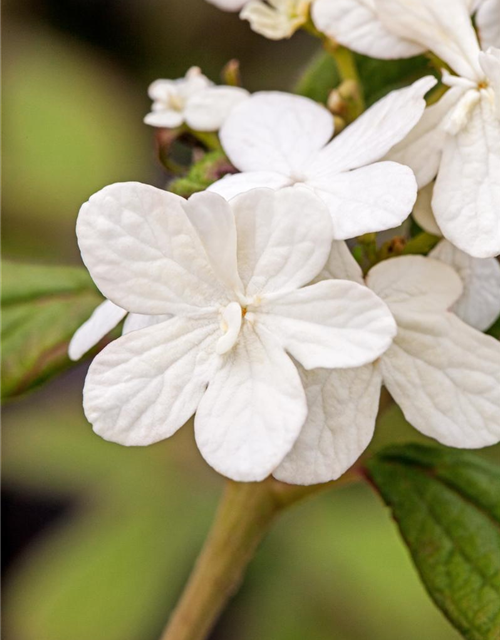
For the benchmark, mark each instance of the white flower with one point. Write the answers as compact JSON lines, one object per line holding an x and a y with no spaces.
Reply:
{"x":193,"y":100}
{"x":479,"y":304}
{"x":458,"y":139}
{"x":232,"y":276}
{"x":444,"y":374}
{"x":278,"y":139}
{"x":276,"y":19}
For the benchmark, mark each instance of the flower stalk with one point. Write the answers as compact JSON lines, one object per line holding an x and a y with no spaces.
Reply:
{"x":244,"y":516}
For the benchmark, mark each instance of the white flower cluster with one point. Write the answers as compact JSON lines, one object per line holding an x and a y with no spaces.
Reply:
{"x":244,"y":306}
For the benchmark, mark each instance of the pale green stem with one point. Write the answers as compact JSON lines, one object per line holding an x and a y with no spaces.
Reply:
{"x":244,"y":516}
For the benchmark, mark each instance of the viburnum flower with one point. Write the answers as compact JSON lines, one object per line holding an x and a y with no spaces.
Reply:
{"x":458,"y":139}
{"x":276,"y":19}
{"x":233,"y":278}
{"x":278,"y":140}
{"x":479,"y":304}
{"x":193,"y":100}
{"x":443,"y":373}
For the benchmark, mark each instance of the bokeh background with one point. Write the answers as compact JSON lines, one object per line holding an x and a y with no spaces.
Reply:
{"x":99,"y":539}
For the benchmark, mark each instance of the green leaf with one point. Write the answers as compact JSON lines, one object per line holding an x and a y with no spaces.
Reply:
{"x":447,"y":505}
{"x":320,"y":77}
{"x":42,"y":308}
{"x":202,"y":174}
{"x":495,"y":329}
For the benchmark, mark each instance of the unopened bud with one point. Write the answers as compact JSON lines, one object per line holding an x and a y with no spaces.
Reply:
{"x":231,"y":73}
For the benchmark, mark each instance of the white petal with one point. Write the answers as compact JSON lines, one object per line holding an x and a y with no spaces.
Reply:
{"x":253,"y":410}
{"x":422,"y":149}
{"x":445,"y":377}
{"x":331,"y":324}
{"x":374,"y":133}
{"x":233,"y":185}
{"x":373,"y":198}
{"x":488,"y":23}
{"x":415,"y":283}
{"x":214,"y":222}
{"x":136,"y":321}
{"x":342,"y":408}
{"x":354,"y":24}
{"x":144,"y":386}
{"x":443,"y":27}
{"x":274,"y":21}
{"x":284,"y":238}
{"x":466,"y":199}
{"x":341,"y":265}
{"x":422,"y":211}
{"x":143,"y":253}
{"x":208,"y":110}
{"x":166,"y":118}
{"x":479,"y":305}
{"x":228,"y":5}
{"x":104,"y":318}
{"x":277,"y":132}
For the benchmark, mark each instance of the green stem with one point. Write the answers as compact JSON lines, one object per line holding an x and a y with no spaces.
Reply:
{"x":350,"y":85}
{"x":245,"y":513}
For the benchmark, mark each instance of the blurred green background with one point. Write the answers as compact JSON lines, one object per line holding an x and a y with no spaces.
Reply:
{"x":100,"y":539}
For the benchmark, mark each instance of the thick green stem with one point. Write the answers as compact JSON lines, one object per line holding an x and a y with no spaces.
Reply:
{"x":243,"y":518}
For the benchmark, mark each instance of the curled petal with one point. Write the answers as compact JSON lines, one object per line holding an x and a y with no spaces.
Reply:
{"x":104,"y":318}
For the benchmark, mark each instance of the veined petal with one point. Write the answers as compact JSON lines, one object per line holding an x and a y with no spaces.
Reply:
{"x":355,"y":24}
{"x":213,"y":219}
{"x":443,"y":27}
{"x":232,"y":185}
{"x":143,"y":252}
{"x":373,"y":198}
{"x":490,"y":63}
{"x":144,"y":386}
{"x":488,"y":23}
{"x":284,"y":238}
{"x":332,"y":324}
{"x":375,"y":132}
{"x":341,"y":265}
{"x":277,"y":132}
{"x":104,"y":318}
{"x":253,"y":409}
{"x":466,"y":199}
{"x":415,"y":283}
{"x":208,"y":110}
{"x":342,"y":408}
{"x":479,"y":305}
{"x":422,"y":211}
{"x":423,"y":147}
{"x":273,"y":20}
{"x":445,"y":377}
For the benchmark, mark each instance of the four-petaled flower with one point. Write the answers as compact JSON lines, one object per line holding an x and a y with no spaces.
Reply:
{"x":232,"y":277}
{"x":444,"y":374}
{"x":278,"y":140}
{"x":458,"y":139}
{"x":193,"y":100}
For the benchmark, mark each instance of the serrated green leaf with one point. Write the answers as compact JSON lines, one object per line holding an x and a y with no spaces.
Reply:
{"x":42,"y":308}
{"x":447,"y":505}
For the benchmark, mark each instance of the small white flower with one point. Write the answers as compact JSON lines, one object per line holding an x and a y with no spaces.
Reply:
{"x":278,"y":139}
{"x":458,"y":139}
{"x":444,"y":374}
{"x":276,"y":19}
{"x":479,"y":304}
{"x":193,"y":100}
{"x":232,"y":277}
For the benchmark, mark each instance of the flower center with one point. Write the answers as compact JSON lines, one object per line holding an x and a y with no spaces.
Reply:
{"x":230,"y":324}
